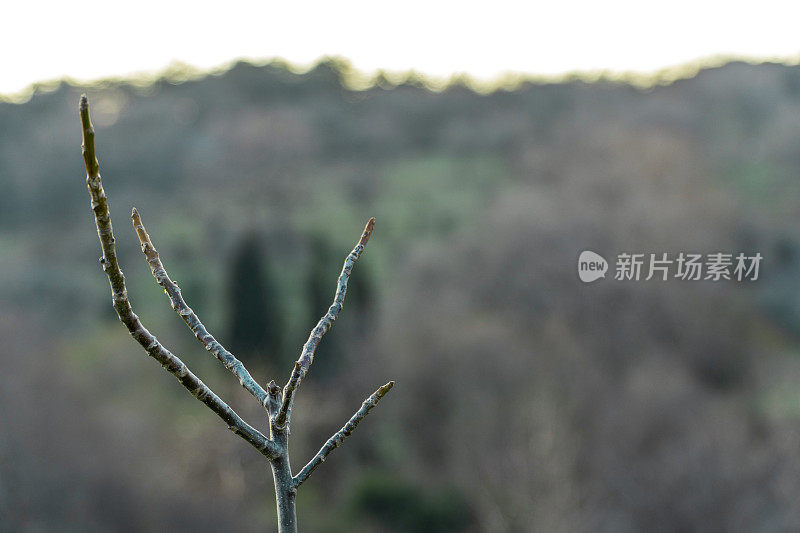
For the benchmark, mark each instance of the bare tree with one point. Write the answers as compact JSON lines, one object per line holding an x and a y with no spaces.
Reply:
{"x":276,"y":401}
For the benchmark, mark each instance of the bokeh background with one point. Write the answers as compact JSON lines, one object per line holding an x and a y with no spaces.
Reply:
{"x":525,"y":399}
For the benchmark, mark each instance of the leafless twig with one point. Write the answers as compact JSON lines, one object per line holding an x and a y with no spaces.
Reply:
{"x":277,"y":402}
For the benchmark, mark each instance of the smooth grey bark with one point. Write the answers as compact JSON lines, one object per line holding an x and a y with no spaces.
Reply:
{"x":276,"y":401}
{"x":285,"y":489}
{"x":285,"y":494}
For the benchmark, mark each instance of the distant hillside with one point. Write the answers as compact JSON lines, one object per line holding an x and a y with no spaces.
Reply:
{"x":616,"y":406}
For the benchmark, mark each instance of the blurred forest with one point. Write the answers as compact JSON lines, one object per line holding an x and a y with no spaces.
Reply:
{"x":525,"y":399}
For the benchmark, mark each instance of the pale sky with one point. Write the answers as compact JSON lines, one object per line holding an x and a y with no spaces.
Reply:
{"x":90,"y":39}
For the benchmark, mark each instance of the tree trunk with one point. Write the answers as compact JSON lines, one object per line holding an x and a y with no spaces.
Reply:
{"x":285,"y":490}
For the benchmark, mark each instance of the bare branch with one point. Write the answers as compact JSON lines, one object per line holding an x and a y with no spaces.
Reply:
{"x":119,"y":296}
{"x":279,"y":418}
{"x":324,"y":324}
{"x":336,"y":440}
{"x":277,"y":402}
{"x":179,"y":305}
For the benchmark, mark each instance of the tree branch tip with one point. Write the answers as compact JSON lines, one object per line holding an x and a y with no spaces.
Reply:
{"x":134,"y":213}
{"x":367,"y":231}
{"x":86,"y":121}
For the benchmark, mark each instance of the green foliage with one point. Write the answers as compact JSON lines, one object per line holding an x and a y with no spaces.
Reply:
{"x":399,"y":505}
{"x":438,"y":196}
{"x":254,"y":311}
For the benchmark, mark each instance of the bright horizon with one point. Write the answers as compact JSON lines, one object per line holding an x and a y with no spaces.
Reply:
{"x":96,"y":40}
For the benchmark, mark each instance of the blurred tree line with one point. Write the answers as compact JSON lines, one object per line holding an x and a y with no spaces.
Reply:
{"x":525,"y":400}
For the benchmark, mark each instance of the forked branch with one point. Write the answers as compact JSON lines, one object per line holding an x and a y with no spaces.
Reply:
{"x":277,"y":402}
{"x":122,"y":305}
{"x":324,"y":324}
